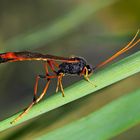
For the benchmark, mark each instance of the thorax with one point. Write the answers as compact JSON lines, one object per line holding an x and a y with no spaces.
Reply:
{"x":72,"y":68}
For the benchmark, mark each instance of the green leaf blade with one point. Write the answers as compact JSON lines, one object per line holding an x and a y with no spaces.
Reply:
{"x":109,"y":121}
{"x":103,"y":78}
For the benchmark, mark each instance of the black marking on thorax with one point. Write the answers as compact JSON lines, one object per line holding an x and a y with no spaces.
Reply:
{"x":72,"y":68}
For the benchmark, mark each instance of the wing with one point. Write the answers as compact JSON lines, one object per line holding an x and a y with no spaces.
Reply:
{"x":29,"y":56}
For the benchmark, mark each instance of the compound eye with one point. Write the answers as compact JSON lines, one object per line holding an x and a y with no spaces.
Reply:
{"x":90,"y":69}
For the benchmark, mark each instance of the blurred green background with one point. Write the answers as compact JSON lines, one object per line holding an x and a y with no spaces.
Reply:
{"x":92,"y":29}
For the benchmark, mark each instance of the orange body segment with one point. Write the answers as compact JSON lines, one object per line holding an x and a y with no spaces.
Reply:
{"x":9,"y":55}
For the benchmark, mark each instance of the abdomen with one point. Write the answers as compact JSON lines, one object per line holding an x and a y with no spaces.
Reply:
{"x":19,"y":56}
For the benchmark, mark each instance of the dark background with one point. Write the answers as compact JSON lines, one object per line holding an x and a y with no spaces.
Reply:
{"x":96,"y":37}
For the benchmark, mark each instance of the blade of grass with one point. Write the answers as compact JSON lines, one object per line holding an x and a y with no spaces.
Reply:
{"x":103,"y":78}
{"x":107,"y":122}
{"x":59,"y":28}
